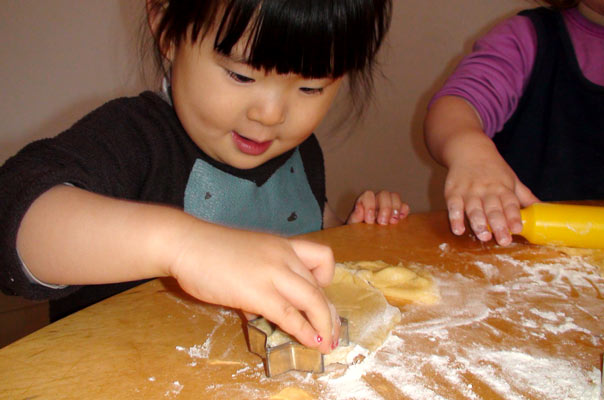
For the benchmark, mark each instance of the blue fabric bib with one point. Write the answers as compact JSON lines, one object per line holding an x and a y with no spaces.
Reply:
{"x":283,"y":205}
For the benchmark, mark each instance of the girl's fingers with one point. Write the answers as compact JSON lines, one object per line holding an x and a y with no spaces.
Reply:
{"x":320,"y":262}
{"x":291,"y":321}
{"x":250,"y":316}
{"x":368,"y":201}
{"x":456,"y":214}
{"x":497,"y":220}
{"x":297,"y":298}
{"x":511,"y":210}
{"x":478,"y":219}
{"x":384,"y":207}
{"x":400,"y":210}
{"x":357,"y":215}
{"x":317,"y":258}
{"x":524,"y":194}
{"x":404,"y":210}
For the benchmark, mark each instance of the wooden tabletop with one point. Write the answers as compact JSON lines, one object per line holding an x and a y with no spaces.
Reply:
{"x":522,"y":322}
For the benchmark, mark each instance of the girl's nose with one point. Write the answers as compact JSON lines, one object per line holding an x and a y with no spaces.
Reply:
{"x":267,"y":111}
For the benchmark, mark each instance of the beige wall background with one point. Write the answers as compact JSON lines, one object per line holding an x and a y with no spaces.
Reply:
{"x":63,"y":58}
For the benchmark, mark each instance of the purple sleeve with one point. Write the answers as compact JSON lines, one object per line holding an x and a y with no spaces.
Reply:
{"x":493,"y":77}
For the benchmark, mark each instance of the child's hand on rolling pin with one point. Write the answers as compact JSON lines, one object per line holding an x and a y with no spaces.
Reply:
{"x":490,"y":194}
{"x":383,"y":208}
{"x":263,"y":274}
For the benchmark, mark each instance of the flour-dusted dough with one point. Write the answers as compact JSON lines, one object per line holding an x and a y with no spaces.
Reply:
{"x":400,"y":284}
{"x":277,"y":338}
{"x":292,"y":393}
{"x":361,"y":292}
{"x":274,"y":336}
{"x":370,"y":317}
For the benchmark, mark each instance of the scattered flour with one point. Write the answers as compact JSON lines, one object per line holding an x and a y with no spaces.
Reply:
{"x":175,"y":390}
{"x":203,"y":350}
{"x":423,"y":358}
{"x":197,"y":351}
{"x":510,"y":260}
{"x":475,"y":344}
{"x":241,"y":370}
{"x":509,"y":375}
{"x":489,"y":270}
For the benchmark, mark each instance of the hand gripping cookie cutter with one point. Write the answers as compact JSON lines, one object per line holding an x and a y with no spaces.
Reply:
{"x":287,"y":356}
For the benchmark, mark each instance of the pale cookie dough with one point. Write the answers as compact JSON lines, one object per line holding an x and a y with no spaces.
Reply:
{"x":401,"y":285}
{"x":351,"y":354}
{"x":361,"y":292}
{"x":274,"y":336}
{"x":370,"y":317}
{"x":292,"y":393}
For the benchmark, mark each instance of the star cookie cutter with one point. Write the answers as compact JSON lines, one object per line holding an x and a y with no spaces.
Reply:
{"x":287,"y":354}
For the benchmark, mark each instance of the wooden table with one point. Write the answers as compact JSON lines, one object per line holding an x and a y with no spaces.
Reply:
{"x":513,"y":323}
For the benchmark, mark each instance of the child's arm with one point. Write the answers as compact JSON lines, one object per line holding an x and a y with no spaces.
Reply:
{"x":479,"y":180}
{"x":71,"y":236}
{"x":383,"y":208}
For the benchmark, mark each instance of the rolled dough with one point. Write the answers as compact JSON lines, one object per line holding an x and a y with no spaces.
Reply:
{"x":370,"y":317}
{"x":400,"y":284}
{"x":292,"y":393}
{"x":361,"y":292}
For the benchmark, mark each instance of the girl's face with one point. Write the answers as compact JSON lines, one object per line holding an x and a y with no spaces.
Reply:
{"x":241,"y":116}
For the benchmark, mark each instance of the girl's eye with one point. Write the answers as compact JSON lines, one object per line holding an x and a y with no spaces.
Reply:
{"x":311,"y":90}
{"x":239,"y":78}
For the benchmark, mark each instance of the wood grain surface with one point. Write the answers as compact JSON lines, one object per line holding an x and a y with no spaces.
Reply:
{"x":523,"y":322}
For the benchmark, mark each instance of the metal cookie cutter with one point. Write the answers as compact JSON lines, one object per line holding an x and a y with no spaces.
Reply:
{"x":283,"y":353}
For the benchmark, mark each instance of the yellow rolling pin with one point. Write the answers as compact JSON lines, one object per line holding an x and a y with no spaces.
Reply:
{"x":564,"y":225}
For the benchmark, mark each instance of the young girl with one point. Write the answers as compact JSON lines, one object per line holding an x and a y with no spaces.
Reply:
{"x":229,"y":140}
{"x":521,"y":118}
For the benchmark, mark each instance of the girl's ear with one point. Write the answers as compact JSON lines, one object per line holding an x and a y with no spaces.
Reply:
{"x":155,"y":13}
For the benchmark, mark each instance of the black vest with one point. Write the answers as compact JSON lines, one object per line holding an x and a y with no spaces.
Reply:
{"x":555,"y":139}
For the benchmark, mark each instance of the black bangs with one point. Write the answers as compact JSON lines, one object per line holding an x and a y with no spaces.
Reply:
{"x":312,"y":38}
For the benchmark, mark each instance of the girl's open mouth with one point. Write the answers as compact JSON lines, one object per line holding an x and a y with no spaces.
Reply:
{"x":248,"y":146}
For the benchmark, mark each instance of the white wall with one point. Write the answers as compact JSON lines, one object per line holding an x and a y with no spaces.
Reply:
{"x":62,"y":58}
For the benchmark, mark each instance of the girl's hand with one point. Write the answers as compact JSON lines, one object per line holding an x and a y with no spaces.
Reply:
{"x":479,"y":182}
{"x":258,"y":273}
{"x":490,"y":194}
{"x":262,"y":274}
{"x":384,"y":208}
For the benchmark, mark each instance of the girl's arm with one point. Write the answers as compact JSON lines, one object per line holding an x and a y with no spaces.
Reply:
{"x":71,"y":236}
{"x":493,"y":76}
{"x":475,"y":102}
{"x":479,"y":182}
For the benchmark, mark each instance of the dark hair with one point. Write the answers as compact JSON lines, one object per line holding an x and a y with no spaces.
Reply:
{"x":562,"y":4}
{"x":313,"y":38}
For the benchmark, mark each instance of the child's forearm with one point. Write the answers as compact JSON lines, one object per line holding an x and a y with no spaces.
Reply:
{"x":72,"y":236}
{"x":453,"y":131}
